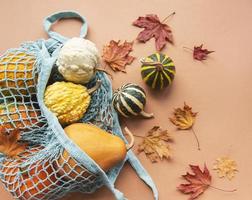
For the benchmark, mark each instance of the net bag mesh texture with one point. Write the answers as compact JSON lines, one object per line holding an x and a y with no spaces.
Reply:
{"x":43,"y":170}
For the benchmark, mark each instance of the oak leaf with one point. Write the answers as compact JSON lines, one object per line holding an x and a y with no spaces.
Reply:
{"x":225,"y":167}
{"x":198,"y":182}
{"x":155,"y":144}
{"x":199,"y":53}
{"x":10,"y":144}
{"x":154,"y":28}
{"x":117,"y":56}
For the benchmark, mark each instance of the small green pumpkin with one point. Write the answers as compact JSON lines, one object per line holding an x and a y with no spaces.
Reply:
{"x":158,"y":70}
{"x":129,"y":100}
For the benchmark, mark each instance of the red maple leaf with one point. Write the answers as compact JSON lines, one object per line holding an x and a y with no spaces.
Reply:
{"x":199,"y":53}
{"x":154,"y":28}
{"x":198,"y":182}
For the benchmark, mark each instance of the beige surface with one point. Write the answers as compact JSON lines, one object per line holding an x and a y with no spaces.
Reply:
{"x":219,"y":88}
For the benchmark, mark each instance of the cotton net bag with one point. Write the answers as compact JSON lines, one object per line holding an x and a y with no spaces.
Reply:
{"x":37,"y":174}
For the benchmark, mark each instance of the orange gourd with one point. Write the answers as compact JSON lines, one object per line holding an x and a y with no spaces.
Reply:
{"x":19,"y":116}
{"x":28,"y":185}
{"x":104,"y":148}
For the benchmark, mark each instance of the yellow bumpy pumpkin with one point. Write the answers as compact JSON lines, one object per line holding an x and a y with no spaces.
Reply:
{"x":17,"y":73}
{"x":68,"y":101}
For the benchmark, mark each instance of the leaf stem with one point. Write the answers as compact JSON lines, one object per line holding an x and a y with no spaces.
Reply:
{"x":168,"y":17}
{"x":138,"y":136}
{"x":188,"y":48}
{"x":222,"y":189}
{"x":196,"y":137}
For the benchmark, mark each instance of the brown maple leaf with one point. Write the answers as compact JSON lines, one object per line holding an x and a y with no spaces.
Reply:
{"x":198,"y":182}
{"x":9,"y":142}
{"x":184,"y":119}
{"x":117,"y":56}
{"x":154,"y":28}
{"x":155,"y":145}
{"x":199,"y":53}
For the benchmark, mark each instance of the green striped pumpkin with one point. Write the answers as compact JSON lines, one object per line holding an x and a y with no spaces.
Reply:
{"x":129,"y":100}
{"x":158,"y":70}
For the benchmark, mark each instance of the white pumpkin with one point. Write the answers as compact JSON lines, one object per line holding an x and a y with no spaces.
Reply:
{"x":78,"y":60}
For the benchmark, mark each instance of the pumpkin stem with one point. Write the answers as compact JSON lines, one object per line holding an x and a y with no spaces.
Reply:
{"x":93,"y":89}
{"x":132,"y":139}
{"x":146,"y":115}
{"x":105,"y":71}
{"x":158,"y":65}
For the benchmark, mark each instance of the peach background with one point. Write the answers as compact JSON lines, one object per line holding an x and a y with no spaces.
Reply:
{"x":219,"y":88}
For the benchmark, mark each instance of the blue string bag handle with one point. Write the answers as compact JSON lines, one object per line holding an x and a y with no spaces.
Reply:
{"x":50,"y":20}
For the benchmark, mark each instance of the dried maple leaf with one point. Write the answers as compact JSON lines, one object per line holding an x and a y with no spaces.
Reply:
{"x":9,"y":142}
{"x":154,"y":145}
{"x":154,"y":28}
{"x":117,"y":56}
{"x":225,"y":167}
{"x":198,"y":182}
{"x":199,"y":53}
{"x":184,"y":119}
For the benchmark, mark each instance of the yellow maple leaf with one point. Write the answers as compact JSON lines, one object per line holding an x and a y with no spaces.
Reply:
{"x":183,"y":118}
{"x":155,"y":145}
{"x":225,"y":167}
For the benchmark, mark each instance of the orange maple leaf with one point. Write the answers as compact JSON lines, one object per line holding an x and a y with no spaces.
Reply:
{"x":10,"y":144}
{"x":117,"y":56}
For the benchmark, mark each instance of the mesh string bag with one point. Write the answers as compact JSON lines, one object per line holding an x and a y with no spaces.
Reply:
{"x":43,"y":170}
